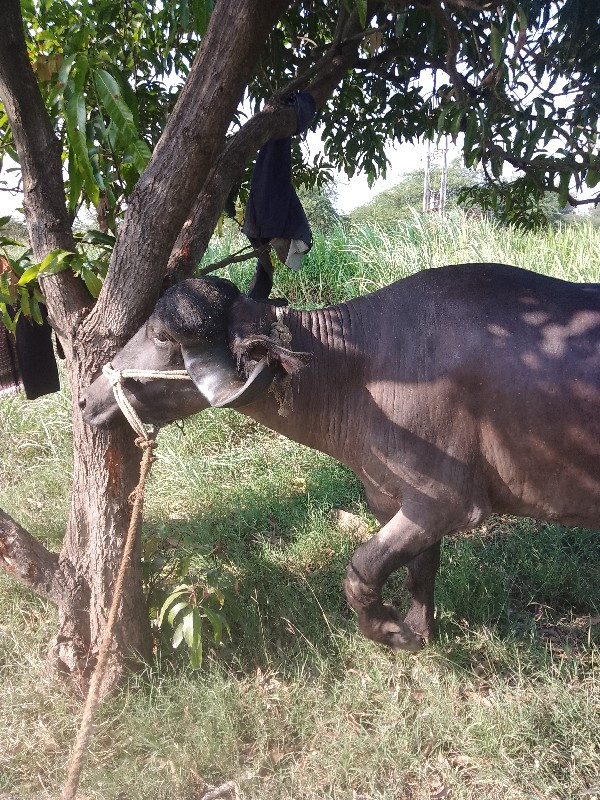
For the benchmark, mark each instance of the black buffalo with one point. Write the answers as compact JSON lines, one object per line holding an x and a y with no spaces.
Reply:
{"x":452,"y":394}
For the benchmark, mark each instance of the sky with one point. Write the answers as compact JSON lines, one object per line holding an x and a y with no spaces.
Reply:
{"x":350,"y":193}
{"x":403,"y":158}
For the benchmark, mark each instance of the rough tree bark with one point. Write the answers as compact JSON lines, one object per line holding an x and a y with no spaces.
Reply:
{"x":80,"y":577}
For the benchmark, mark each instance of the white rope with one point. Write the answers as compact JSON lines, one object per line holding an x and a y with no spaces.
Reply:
{"x":116,"y":378}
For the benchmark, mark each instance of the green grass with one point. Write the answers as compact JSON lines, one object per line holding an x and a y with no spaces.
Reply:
{"x":504,"y":705}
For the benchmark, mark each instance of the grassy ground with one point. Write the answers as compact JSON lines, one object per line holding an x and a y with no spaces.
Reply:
{"x":506,"y":704}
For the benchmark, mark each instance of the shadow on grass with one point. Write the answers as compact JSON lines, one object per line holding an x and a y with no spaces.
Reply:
{"x":523,"y":581}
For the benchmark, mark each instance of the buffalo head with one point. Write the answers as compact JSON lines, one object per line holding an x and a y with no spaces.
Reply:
{"x":221,"y":337}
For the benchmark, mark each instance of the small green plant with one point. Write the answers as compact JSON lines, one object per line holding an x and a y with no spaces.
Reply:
{"x":188,"y":607}
{"x":20,"y":291}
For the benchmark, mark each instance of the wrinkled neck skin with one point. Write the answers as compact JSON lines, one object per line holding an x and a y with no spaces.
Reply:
{"x":322,"y":390}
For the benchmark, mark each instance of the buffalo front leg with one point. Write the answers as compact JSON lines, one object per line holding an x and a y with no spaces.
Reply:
{"x":420,"y":584}
{"x":401,"y":542}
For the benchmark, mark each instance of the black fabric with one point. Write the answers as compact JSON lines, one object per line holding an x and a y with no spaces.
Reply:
{"x":35,"y":357}
{"x":262,"y":282}
{"x":273,"y":209}
{"x":9,"y":371}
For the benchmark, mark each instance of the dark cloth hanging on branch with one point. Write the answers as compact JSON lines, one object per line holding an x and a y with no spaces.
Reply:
{"x":10,"y":379}
{"x":27,"y":359}
{"x":273,"y":210}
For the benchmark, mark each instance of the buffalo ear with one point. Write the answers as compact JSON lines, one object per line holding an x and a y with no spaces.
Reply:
{"x":250,"y":350}
{"x":214,"y":373}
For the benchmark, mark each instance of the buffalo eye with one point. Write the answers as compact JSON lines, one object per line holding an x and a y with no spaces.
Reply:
{"x":159,"y":337}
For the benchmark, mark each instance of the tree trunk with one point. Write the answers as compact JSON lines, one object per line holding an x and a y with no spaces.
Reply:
{"x":105,"y":473}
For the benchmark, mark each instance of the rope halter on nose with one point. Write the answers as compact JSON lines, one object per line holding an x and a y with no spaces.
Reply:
{"x":116,"y":378}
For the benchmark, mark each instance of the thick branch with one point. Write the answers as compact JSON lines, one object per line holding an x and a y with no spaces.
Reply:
{"x":27,"y":560}
{"x":275,"y":121}
{"x":40,"y":156}
{"x":256,"y":252}
{"x":452,"y":38}
{"x":188,"y":148}
{"x":531,"y":168}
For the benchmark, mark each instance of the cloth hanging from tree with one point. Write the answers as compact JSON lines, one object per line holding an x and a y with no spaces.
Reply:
{"x":10,"y":380}
{"x":273,"y":210}
{"x":27,"y":359}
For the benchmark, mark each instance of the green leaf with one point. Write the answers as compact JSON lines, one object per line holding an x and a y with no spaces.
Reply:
{"x":184,"y":14}
{"x":361,"y":7}
{"x":75,"y":182}
{"x":496,"y":44}
{"x":175,"y":609}
{"x":522,"y":18}
{"x":180,"y":590}
{"x":192,"y":635}
{"x":55,"y":262}
{"x":4,"y":221}
{"x":177,"y":636}
{"x":64,"y":73}
{"x":98,"y":237}
{"x":400,"y":23}
{"x":24,"y":302}
{"x":5,"y":241}
{"x":456,"y":123}
{"x":36,"y":314}
{"x":216,"y":622}
{"x":563,"y":188}
{"x":196,"y":656}
{"x":120,"y":114}
{"x":10,"y":323}
{"x":201,"y":11}
{"x":592,"y":177}
{"x":7,"y":292}
{"x":29,"y":275}
{"x":470,"y":133}
{"x":76,"y":124}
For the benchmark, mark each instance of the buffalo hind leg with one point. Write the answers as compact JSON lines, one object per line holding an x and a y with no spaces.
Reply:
{"x":420,"y":583}
{"x":401,"y":542}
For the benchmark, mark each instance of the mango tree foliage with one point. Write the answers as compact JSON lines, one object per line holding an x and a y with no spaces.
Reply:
{"x":519,"y":80}
{"x":150,"y":113}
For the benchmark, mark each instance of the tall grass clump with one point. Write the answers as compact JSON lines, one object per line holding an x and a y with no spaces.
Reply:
{"x":348,"y":261}
{"x":569,"y":251}
{"x":296,"y":705}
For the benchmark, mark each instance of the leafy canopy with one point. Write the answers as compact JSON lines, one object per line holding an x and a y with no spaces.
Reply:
{"x":520,"y":80}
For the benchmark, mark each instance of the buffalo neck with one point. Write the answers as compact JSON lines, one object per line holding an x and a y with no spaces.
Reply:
{"x":324,"y":393}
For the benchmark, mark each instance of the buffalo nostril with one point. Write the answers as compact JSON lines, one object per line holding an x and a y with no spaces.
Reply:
{"x":82,"y":402}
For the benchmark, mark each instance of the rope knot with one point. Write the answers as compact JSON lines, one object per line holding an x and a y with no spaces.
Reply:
{"x":115,"y":376}
{"x":146,"y":442}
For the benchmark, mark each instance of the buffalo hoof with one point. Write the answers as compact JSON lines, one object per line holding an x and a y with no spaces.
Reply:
{"x":383,"y":624}
{"x":425,"y":629}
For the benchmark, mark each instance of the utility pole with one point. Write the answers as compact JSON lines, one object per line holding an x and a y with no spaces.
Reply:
{"x":435,"y":200}
{"x":444,"y":178}
{"x":427,"y":183}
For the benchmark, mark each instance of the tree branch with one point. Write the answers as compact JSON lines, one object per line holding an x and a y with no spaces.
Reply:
{"x":275,"y":121}
{"x":235,"y":259}
{"x":23,"y":557}
{"x":453,"y":41}
{"x":531,"y":168}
